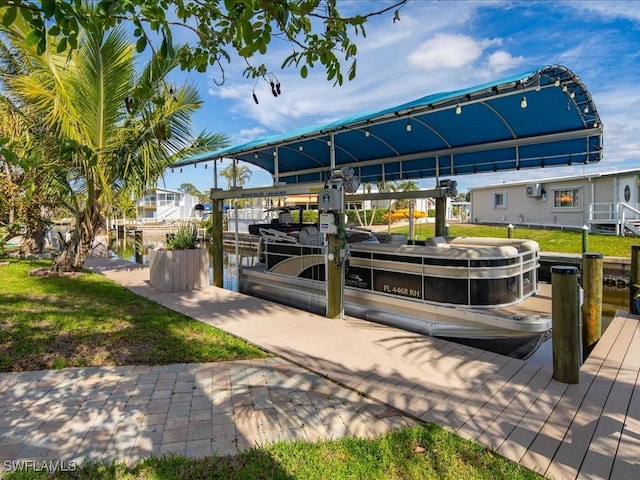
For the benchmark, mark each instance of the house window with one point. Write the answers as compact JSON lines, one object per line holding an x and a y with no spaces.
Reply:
{"x":568,"y":198}
{"x":499,"y":200}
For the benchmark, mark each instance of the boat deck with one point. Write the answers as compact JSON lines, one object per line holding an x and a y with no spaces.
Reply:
{"x":587,"y":430}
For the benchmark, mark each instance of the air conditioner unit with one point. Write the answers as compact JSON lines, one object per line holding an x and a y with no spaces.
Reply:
{"x":534,"y":190}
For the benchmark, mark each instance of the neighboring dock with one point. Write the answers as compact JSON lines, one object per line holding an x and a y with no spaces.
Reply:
{"x":587,"y":430}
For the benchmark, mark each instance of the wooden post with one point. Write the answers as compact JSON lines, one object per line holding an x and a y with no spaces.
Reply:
{"x":634,"y":280}
{"x":138,"y":246}
{"x":441,"y":214}
{"x":585,"y":238}
{"x":565,"y":314}
{"x":217,"y":249}
{"x":592,"y":265}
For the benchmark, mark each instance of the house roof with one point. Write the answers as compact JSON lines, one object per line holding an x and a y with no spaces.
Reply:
{"x":539,"y":118}
{"x":563,"y":178}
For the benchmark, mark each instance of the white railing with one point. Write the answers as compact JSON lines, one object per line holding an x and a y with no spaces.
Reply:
{"x":619,"y":214}
{"x":613,"y":211}
{"x":246,"y":214}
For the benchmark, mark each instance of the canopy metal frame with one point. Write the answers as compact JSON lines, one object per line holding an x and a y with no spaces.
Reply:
{"x":537,"y":119}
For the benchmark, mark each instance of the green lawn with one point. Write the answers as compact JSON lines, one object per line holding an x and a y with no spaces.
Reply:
{"x":89,"y":320}
{"x":418,"y":453}
{"x":562,"y":241}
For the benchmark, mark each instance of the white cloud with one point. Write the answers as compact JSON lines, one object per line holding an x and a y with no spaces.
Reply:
{"x":247,"y":134}
{"x":611,"y":10}
{"x":502,"y":61}
{"x":445,"y":51}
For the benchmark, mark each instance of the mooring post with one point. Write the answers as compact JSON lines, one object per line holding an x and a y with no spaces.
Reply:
{"x":634,"y":278}
{"x":510,"y":228}
{"x":565,"y":314}
{"x":217,"y":248}
{"x":585,"y":238}
{"x":592,"y":266}
{"x":138,"y":246}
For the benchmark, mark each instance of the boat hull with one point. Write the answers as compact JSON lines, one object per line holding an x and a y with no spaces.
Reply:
{"x":472,"y":290}
{"x":426,"y":318}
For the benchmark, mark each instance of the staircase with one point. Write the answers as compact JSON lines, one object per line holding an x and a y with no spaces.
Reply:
{"x":615,"y":218}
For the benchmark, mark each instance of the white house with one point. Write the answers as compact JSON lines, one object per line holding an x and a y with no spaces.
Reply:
{"x":605,"y":202}
{"x":161,"y":204}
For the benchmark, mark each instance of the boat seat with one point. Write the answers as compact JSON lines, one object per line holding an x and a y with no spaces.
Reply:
{"x":310,"y":236}
{"x":285,"y":217}
{"x":440,"y":242}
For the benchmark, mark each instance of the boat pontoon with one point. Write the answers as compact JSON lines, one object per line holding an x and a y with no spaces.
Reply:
{"x":467,"y":288}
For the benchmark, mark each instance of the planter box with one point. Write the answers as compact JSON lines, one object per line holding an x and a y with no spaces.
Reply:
{"x":176,"y":270}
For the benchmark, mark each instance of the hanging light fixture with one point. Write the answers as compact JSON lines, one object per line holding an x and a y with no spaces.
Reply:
{"x":367,"y":133}
{"x":557,"y":82}
{"x":408,"y":127}
{"x":205,"y":166}
{"x":564,"y":87}
{"x":572,"y":94}
{"x":586,"y":109}
{"x":523,"y":102}
{"x":301,"y":148}
{"x":458,"y":109}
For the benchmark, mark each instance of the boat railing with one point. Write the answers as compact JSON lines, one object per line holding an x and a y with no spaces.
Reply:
{"x":276,"y":236}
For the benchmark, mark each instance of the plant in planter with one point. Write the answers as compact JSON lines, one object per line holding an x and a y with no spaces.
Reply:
{"x":180,"y":265}
{"x":184,"y":239}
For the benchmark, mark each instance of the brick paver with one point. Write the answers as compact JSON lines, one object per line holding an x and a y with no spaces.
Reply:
{"x":125,"y":414}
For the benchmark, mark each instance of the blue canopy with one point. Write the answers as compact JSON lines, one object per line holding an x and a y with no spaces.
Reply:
{"x":536,"y":119}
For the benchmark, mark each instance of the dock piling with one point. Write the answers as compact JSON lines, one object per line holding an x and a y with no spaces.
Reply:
{"x":592,"y":266}
{"x":634,"y":278}
{"x":565,"y":314}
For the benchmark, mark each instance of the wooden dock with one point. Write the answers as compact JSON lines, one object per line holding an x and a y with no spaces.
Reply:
{"x":587,"y":430}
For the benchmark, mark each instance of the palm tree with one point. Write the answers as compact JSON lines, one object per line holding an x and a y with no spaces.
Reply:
{"x":406,"y":186}
{"x":108,"y":132}
{"x":241,"y":173}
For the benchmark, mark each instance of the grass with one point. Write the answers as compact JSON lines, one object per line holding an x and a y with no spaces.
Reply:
{"x":89,"y":320}
{"x":425,"y":452}
{"x":550,"y":240}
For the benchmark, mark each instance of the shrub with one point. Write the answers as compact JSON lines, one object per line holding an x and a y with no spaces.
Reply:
{"x":184,"y":238}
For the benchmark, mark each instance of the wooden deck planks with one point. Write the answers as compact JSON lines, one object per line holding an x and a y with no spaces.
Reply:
{"x":506,"y":422}
{"x":575,"y":444}
{"x":599,"y":459}
{"x":541,"y":452}
{"x":495,"y":407}
{"x":473,"y":404}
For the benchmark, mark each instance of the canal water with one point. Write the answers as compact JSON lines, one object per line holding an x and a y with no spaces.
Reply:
{"x":614,"y":299}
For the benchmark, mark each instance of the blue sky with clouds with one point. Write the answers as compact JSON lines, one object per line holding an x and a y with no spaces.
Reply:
{"x":439,"y":46}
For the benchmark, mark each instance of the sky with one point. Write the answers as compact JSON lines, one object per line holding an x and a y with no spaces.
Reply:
{"x":437,"y":46}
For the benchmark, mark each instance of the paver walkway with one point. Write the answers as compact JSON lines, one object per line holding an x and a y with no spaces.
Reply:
{"x":127,"y":413}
